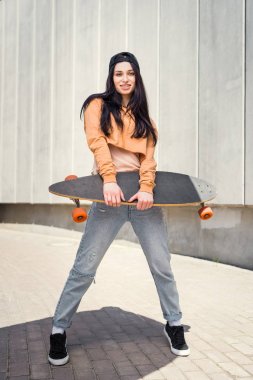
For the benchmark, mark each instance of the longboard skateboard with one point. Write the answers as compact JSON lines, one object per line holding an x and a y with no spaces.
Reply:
{"x":172,"y":189}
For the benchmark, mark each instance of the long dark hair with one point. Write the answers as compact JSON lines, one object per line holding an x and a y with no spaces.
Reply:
{"x":112,"y":102}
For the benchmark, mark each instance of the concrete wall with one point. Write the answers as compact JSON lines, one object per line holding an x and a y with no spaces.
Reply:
{"x":196,"y":59}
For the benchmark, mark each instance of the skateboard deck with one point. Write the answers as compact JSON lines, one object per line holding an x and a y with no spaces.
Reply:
{"x":172,"y":189}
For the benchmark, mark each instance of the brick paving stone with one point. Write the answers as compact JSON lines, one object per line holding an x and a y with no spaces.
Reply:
{"x":170,"y":372}
{"x":220,"y":376}
{"x":34,"y":335}
{"x":3,"y":351}
{"x":223,"y":347}
{"x":207,"y":336}
{"x":167,"y":352}
{"x":217,"y":356}
{"x":103,"y":334}
{"x":76,"y":350}
{"x":17,"y":344}
{"x":3,"y":376}
{"x":121,"y":337}
{"x":3,"y":359}
{"x":111,"y":327}
{"x":230,"y":335}
{"x":17,"y":378}
{"x":32,"y":326}
{"x":131,"y":330}
{"x":96,"y":353}
{"x":80,"y":363}
{"x":247,"y":339}
{"x":84,"y":374}
{"x":116,"y":355}
{"x":61,"y":373}
{"x":231,"y":339}
{"x":108,"y":376}
{"x":125,"y":368}
{"x":149,"y":332}
{"x":138,"y":358}
{"x":141,"y":339}
{"x":102,"y":366}
{"x":79,"y":358}
{"x":207,"y":366}
{"x":154,"y":376}
{"x":247,"y":328}
{"x":38,"y":357}
{"x":3,"y":368}
{"x":18,"y":368}
{"x":90,"y":343}
{"x":73,"y":339}
{"x":249,"y":368}
{"x":196,"y":375}
{"x":159,"y":340}
{"x":185,"y":364}
{"x":110,"y":344}
{"x":159,"y":360}
{"x":201,"y":345}
{"x":150,"y":372}
{"x":40,"y":371}
{"x":196,"y":354}
{"x":36,"y":346}
{"x":130,"y":377}
{"x":243,"y":348}
{"x":129,"y":347}
{"x":234,"y":369}
{"x":149,"y":348}
{"x":239,"y":358}
{"x":18,"y":356}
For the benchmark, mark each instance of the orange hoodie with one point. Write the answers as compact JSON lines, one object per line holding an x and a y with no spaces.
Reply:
{"x":98,"y":144}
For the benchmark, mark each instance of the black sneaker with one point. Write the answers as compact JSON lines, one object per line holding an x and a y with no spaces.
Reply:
{"x":175,"y":336}
{"x":58,"y":354}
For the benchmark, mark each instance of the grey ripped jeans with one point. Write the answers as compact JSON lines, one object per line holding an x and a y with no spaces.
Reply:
{"x":101,"y":228}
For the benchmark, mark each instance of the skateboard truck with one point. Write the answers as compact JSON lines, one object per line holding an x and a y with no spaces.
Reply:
{"x":79,"y":215}
{"x":205,"y":212}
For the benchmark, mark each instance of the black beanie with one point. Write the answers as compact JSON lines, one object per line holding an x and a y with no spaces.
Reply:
{"x":124,"y":57}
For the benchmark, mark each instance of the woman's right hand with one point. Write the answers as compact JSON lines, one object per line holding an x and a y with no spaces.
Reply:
{"x":112,"y":194}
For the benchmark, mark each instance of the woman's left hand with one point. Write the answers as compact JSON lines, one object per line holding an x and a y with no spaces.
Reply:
{"x":145,"y":200}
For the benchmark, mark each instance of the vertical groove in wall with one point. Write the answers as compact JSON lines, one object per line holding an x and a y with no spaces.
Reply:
{"x":73,"y":85}
{"x":2,"y":94}
{"x":126,"y":27}
{"x":33,"y":98}
{"x":99,"y":43}
{"x":244,"y":68}
{"x":16,"y":101}
{"x":158,"y":74}
{"x":197,"y":95}
{"x":52,"y":94}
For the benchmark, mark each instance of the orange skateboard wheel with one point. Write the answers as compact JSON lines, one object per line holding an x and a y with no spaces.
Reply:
{"x":79,"y":215}
{"x":205,"y":212}
{"x":71,"y":177}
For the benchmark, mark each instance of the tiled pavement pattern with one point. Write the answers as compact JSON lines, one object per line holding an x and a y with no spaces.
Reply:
{"x":117,"y":332}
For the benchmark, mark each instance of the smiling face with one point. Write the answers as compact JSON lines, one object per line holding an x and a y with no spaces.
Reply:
{"x":124,"y":79}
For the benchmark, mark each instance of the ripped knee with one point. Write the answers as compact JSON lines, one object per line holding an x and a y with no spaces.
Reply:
{"x":76,"y":273}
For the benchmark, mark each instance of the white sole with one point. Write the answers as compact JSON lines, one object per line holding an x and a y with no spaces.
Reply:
{"x":174,"y":350}
{"x":58,"y":361}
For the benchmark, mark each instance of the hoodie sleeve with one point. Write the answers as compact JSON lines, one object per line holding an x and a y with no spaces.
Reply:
{"x":97,"y":142}
{"x":148,"y":165}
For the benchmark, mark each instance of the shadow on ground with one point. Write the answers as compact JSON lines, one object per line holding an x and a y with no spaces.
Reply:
{"x":109,"y":343}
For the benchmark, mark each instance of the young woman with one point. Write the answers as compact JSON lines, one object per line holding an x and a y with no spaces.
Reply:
{"x":122,"y":137}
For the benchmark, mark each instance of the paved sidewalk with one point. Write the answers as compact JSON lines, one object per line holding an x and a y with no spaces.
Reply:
{"x":117,"y":332}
